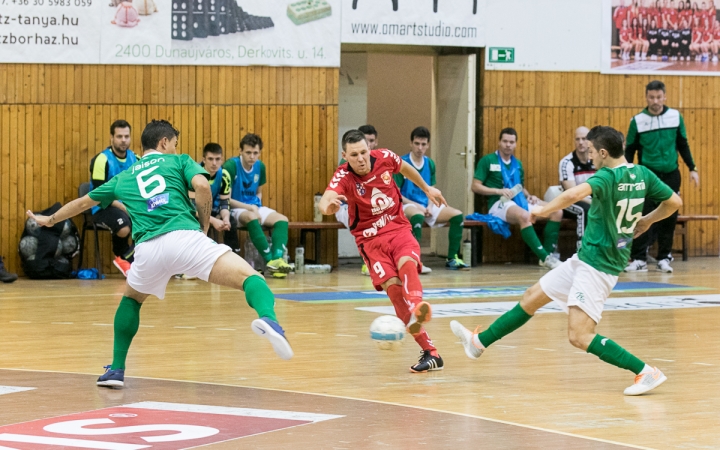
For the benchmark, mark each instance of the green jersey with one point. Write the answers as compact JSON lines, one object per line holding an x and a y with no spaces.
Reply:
{"x":618,"y":197}
{"x":489,"y":173}
{"x":155,"y":192}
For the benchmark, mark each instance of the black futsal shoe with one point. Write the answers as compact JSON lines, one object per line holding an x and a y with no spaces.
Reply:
{"x":427,"y":362}
{"x":5,"y":276}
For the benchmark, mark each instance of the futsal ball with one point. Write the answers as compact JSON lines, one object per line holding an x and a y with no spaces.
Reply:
{"x":387,"y":332}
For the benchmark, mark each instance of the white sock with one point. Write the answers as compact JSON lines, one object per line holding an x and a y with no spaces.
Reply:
{"x":647,"y":369}
{"x":476,"y":341}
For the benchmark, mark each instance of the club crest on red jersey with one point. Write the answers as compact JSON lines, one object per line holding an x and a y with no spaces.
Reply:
{"x":386,"y":177}
{"x":360,"y":188}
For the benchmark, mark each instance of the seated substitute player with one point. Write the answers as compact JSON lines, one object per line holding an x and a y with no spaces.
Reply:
{"x":581,"y":284}
{"x":247,"y":173}
{"x":341,"y":215}
{"x":418,"y":208}
{"x":496,"y":175}
{"x":382,"y":232}
{"x":220,"y":182}
{"x":575,"y":169}
{"x":103,"y":167}
{"x":170,"y":240}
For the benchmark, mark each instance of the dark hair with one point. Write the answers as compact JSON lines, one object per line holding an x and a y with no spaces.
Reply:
{"x":119,"y":124}
{"x":420,"y":132}
{"x":508,"y":130}
{"x":352,"y":137}
{"x":251,"y":140}
{"x":213,"y":148}
{"x":368,"y":129}
{"x":655,"y":85}
{"x":608,"y":138}
{"x":155,"y":131}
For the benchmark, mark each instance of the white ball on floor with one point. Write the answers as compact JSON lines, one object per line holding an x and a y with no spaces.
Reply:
{"x":387,"y":332}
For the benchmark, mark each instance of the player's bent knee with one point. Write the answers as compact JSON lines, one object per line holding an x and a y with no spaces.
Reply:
{"x":123,"y":232}
{"x":579,"y":339}
{"x":405,"y":259}
{"x":390,"y":282}
{"x":231,"y":270}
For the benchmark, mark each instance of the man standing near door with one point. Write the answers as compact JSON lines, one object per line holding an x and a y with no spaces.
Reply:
{"x":657,"y":135}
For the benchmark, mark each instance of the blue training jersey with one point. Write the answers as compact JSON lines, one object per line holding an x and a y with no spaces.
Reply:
{"x":246,"y":184}
{"x":412,"y":192}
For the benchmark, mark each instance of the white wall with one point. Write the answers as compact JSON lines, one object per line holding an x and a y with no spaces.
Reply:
{"x":352,"y":112}
{"x":548,"y":35}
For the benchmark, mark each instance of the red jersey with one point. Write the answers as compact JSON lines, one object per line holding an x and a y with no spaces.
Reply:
{"x":707,"y":35}
{"x":619,"y":15}
{"x":716,"y":34}
{"x":625,"y":35}
{"x":697,"y":35}
{"x":374,"y":201}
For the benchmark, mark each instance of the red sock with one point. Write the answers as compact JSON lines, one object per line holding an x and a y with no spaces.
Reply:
{"x":412,"y":288}
{"x":425,"y":342}
{"x":402,"y":310}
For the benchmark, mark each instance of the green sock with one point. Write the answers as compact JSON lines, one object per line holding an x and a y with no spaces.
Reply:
{"x":611,"y":353}
{"x":455,"y":236}
{"x":127,"y":322}
{"x":259,"y":296}
{"x":504,"y":325}
{"x":257,"y":236}
{"x":531,"y":239}
{"x":416,"y":222}
{"x":279,"y":239}
{"x":550,"y":236}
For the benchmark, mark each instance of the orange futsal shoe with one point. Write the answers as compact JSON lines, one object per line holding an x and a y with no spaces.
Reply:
{"x":122,"y":265}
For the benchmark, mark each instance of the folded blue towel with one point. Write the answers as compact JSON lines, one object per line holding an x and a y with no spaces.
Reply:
{"x":496,"y":225}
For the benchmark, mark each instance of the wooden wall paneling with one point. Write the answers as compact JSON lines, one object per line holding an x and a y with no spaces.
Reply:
{"x":5,"y":176}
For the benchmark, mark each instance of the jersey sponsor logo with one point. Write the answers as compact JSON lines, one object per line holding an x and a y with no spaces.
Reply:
{"x":623,"y":242}
{"x":494,"y":167}
{"x":360,"y":189}
{"x":143,"y":164}
{"x":256,"y":178}
{"x":339,"y":175}
{"x":381,"y":222}
{"x":158,"y":200}
{"x":386,"y":177}
{"x":622,"y":187}
{"x":380,"y":202}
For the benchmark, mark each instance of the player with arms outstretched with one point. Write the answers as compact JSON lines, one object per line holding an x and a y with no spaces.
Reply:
{"x":581,"y":284}
{"x":170,"y":240}
{"x":383,"y":234}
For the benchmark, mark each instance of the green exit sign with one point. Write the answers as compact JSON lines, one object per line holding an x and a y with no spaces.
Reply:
{"x":502,"y":54}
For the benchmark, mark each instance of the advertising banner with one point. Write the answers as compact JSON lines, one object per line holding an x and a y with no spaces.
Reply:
{"x":672,"y":37}
{"x":457,"y":23}
{"x":173,"y":32}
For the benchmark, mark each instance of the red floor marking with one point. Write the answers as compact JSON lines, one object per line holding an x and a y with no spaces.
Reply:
{"x":127,"y":428}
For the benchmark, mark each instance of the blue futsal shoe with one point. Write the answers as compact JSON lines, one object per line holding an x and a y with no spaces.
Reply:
{"x":112,"y":378}
{"x":273,"y":332}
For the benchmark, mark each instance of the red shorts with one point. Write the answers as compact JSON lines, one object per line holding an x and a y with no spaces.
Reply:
{"x":382,"y":253}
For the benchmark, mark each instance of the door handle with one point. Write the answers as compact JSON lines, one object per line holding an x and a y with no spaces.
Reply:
{"x":461,"y":154}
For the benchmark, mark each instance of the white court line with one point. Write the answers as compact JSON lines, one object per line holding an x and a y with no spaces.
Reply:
{"x":665,"y":360}
{"x":148,"y":326}
{"x":20,"y":321}
{"x":545,"y":349}
{"x":186,"y":328}
{"x":703,"y":364}
{"x":504,"y":346}
{"x":61,"y":323}
{"x":505,"y":422}
{"x":346,"y":335}
{"x":103,"y":324}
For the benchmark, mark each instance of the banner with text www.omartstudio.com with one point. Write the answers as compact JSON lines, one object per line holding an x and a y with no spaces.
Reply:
{"x":459,"y":23}
{"x":177,"y":32}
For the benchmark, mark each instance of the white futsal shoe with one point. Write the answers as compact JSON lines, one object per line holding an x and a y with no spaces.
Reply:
{"x":466,"y":337}
{"x":646,"y":382}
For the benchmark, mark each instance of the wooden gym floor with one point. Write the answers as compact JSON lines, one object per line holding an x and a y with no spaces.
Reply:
{"x":530,"y":390}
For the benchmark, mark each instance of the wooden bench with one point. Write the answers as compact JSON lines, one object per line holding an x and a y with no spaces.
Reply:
{"x":315,"y":228}
{"x":682,"y":222}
